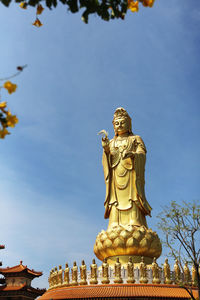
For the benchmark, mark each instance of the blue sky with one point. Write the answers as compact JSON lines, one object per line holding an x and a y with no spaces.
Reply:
{"x":51,"y":179}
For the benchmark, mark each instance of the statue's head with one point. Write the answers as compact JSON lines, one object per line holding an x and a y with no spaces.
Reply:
{"x":122,"y":122}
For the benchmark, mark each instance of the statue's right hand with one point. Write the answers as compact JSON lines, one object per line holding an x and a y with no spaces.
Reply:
{"x":105,"y":142}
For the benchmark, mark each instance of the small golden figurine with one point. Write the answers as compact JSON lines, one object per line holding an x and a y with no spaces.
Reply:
{"x":167,"y":273}
{"x":177,"y":272}
{"x":118,"y":275}
{"x":187,"y":276}
{"x":194,"y":276}
{"x":93,"y":272}
{"x":130,"y":271}
{"x":50,"y":279}
{"x":155,"y":272}
{"x":143,"y":271}
{"x":60,"y":276}
{"x":83,"y":272}
{"x":55,"y":277}
{"x":74,"y":274}
{"x":66,"y":275}
{"x":105,"y":269}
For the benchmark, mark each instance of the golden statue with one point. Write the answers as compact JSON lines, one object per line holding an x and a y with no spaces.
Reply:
{"x":66,"y":275}
{"x":124,"y":165}
{"x":74,"y":274}
{"x":118,"y":275}
{"x":187,"y":276}
{"x":125,"y":203}
{"x":130,"y":271}
{"x":60,"y":274}
{"x":83,"y":272}
{"x":93,"y":272}
{"x":105,"y":270}
{"x":155,"y":272}
{"x":177,"y":272}
{"x":167,"y":273}
{"x":50,"y":279}
{"x":194,"y":275}
{"x":143,"y":271}
{"x":55,"y":277}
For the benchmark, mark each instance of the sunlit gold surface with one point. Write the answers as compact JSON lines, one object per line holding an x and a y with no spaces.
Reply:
{"x":124,"y":164}
{"x":125,"y":242}
{"x":167,"y":272}
{"x":118,"y":273}
{"x":125,"y":203}
{"x":155,"y":272}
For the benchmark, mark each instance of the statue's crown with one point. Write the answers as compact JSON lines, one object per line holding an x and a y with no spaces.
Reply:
{"x":121,"y":112}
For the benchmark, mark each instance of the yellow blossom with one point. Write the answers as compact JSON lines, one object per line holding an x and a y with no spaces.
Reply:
{"x":11,"y":120}
{"x":3,"y":133}
{"x":23,"y":5}
{"x":149,"y":3}
{"x":37,"y":23}
{"x":3,"y":105}
{"x":10,"y":87}
{"x":133,"y":5}
{"x":40,"y":9}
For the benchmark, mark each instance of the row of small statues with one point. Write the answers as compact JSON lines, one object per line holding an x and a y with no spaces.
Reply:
{"x":56,"y":279}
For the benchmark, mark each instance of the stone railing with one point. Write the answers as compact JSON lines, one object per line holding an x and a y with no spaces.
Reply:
{"x":142,"y":273}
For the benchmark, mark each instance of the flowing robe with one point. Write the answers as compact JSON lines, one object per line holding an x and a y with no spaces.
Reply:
{"x":125,"y":202}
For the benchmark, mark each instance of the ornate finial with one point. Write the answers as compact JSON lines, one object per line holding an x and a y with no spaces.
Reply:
{"x":194,"y":276}
{"x":105,"y":275}
{"x":93,"y":272}
{"x":130,"y":271}
{"x":21,"y":262}
{"x":143,"y":271}
{"x":74,"y":274}
{"x":66,"y":275}
{"x":187,"y":276}
{"x":118,"y":276}
{"x":83,"y":272}
{"x":177,"y":272}
{"x":167,"y":272}
{"x":155,"y":271}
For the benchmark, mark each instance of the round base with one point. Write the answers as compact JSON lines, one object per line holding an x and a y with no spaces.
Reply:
{"x":120,"y":241}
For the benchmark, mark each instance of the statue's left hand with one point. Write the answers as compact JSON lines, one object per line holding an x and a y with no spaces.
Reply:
{"x":128,"y":154}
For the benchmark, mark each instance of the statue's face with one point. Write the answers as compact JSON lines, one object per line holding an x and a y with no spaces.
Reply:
{"x":121,"y":126}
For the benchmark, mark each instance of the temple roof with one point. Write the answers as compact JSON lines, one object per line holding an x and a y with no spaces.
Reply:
{"x":21,"y":287}
{"x":12,"y":288}
{"x":115,"y":291}
{"x":18,"y":269}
